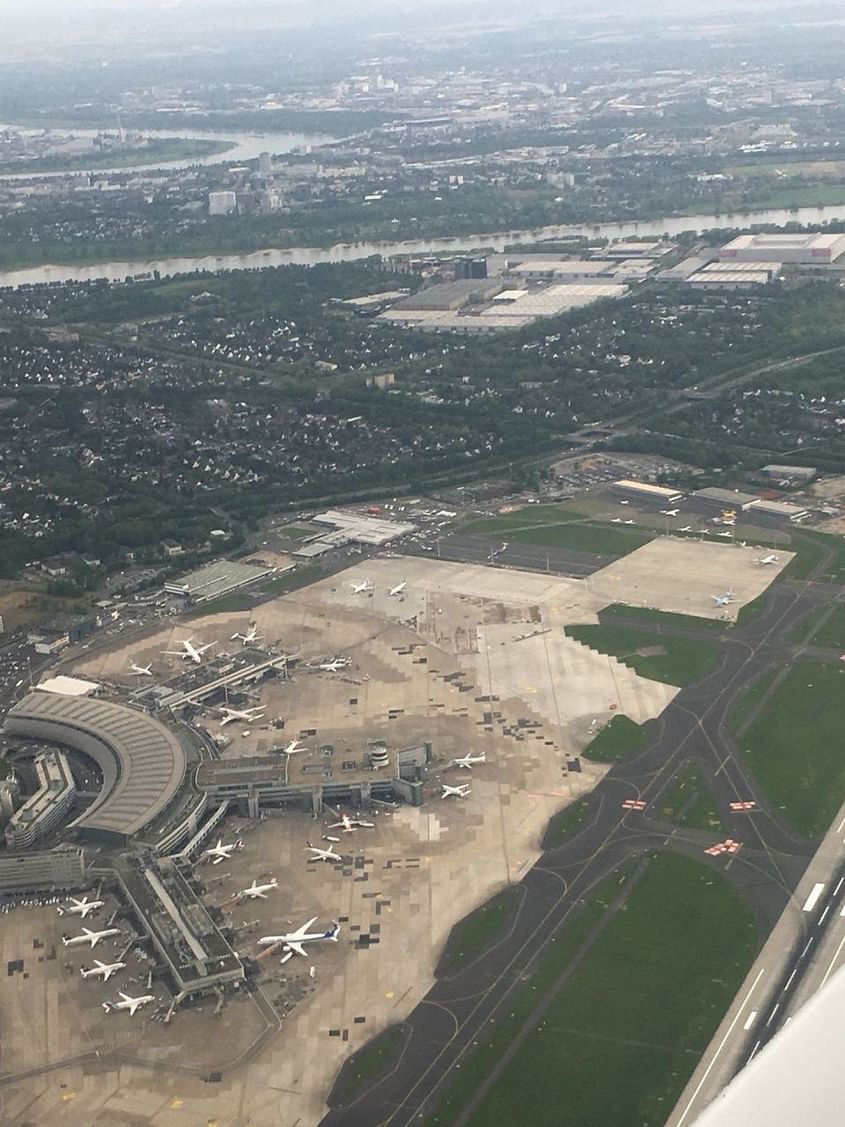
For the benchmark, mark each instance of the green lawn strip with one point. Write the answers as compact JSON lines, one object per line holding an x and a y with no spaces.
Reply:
{"x":831,"y":632}
{"x":290,"y":580}
{"x":501,"y":523}
{"x":478,"y":931}
{"x":599,"y":539}
{"x":750,"y":611}
{"x":793,"y":746}
{"x":660,"y":618}
{"x":620,"y":739}
{"x":522,"y":1001}
{"x":810,"y":548}
{"x":688,"y":801}
{"x":366,"y":1067}
{"x":625,"y":1032}
{"x":294,"y":532}
{"x":565,"y":822}
{"x":678,"y":660}
{"x":237,"y":600}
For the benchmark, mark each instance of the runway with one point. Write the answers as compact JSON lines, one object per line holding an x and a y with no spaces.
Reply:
{"x":771,"y":863}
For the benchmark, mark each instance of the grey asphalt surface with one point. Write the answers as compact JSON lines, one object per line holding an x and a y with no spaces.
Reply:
{"x":444,"y":1027}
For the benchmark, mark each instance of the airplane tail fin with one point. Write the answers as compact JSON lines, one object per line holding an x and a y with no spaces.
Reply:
{"x":107,"y":1006}
{"x":333,"y":933}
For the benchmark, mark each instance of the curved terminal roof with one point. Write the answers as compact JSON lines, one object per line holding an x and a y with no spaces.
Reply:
{"x":142,"y":761}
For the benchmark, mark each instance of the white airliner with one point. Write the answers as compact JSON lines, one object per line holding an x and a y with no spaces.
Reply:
{"x":92,"y":937}
{"x":399,"y":589}
{"x":127,"y":1003}
{"x":726,"y":534}
{"x":250,"y":635}
{"x":294,"y":941}
{"x":764,"y":561}
{"x":293,"y":748}
{"x":141,"y":670}
{"x":190,"y":651}
{"x":101,"y":970}
{"x":80,"y":907}
{"x":686,"y":528}
{"x":334,"y":666}
{"x":468,"y":760}
{"x":724,"y":600}
{"x":669,"y":512}
{"x":363,"y":588}
{"x":258,"y":891}
{"x":220,"y":852}
{"x":323,"y":854}
{"x":245,"y":715}
{"x":616,"y":520}
{"x":349,"y":824}
{"x":463,"y":791}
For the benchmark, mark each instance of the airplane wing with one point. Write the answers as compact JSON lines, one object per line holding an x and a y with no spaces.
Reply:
{"x":334,"y":825}
{"x":97,"y":963}
{"x":125,"y":997}
{"x":301,"y":931}
{"x":297,"y":947}
{"x":87,"y":931}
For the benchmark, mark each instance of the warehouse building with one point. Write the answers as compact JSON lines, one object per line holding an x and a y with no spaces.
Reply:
{"x":713,"y":501}
{"x":798,"y":475}
{"x":644,"y":493}
{"x":778,"y":512}
{"x":785,"y":247}
{"x":217,"y":579}
{"x":44,"y":811}
{"x":356,"y":528}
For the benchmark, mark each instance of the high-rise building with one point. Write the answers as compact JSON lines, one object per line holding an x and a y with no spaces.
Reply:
{"x":265,"y":166}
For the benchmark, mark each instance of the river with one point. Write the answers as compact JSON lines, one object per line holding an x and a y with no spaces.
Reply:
{"x":349,"y":252}
{"x":242,"y":146}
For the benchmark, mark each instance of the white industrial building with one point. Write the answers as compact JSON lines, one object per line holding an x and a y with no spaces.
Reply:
{"x":222,"y":203}
{"x":643,"y":492}
{"x":784,"y":247}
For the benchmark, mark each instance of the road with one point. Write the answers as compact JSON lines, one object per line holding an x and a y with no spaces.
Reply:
{"x":771,"y":864}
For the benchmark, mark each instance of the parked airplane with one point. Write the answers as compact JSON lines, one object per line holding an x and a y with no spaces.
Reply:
{"x":92,"y":937}
{"x":632,"y":521}
{"x":764,"y":561}
{"x":334,"y":666}
{"x":293,"y":748}
{"x":190,"y":651}
{"x":245,"y":715}
{"x":128,"y":1003}
{"x":468,"y":760}
{"x":101,"y":970}
{"x":686,"y":528}
{"x":349,"y":824}
{"x":323,"y":854}
{"x":724,"y":600}
{"x":221,"y":852}
{"x":616,"y":520}
{"x":726,"y":534}
{"x":258,"y":891}
{"x":363,"y":588}
{"x":80,"y":907}
{"x":669,"y":512}
{"x":250,"y":635}
{"x":399,"y":589}
{"x":141,"y":670}
{"x":294,"y":941}
{"x":463,"y":791}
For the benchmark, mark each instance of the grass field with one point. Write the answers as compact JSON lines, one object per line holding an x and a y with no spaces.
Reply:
{"x":673,"y":659}
{"x":811,"y":548}
{"x":565,"y":823}
{"x":831,"y":632}
{"x":552,"y":526}
{"x":624,"y":1032}
{"x":574,"y":934}
{"x":479,"y":931}
{"x":794,"y":745}
{"x":620,"y":739}
{"x":688,"y":802}
{"x":660,"y":619}
{"x":294,"y":532}
{"x":368,"y":1065}
{"x":237,"y":600}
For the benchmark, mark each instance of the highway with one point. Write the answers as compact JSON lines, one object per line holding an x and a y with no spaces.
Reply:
{"x":771,"y":870}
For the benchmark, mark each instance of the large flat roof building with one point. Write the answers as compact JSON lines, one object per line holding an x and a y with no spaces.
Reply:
{"x":216,"y":579}
{"x":643,"y":492}
{"x":42,"y":869}
{"x":142,"y":762}
{"x":798,"y":247}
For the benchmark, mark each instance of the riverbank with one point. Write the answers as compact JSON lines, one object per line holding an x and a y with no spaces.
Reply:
{"x":164,"y":149}
{"x":119,"y":269}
